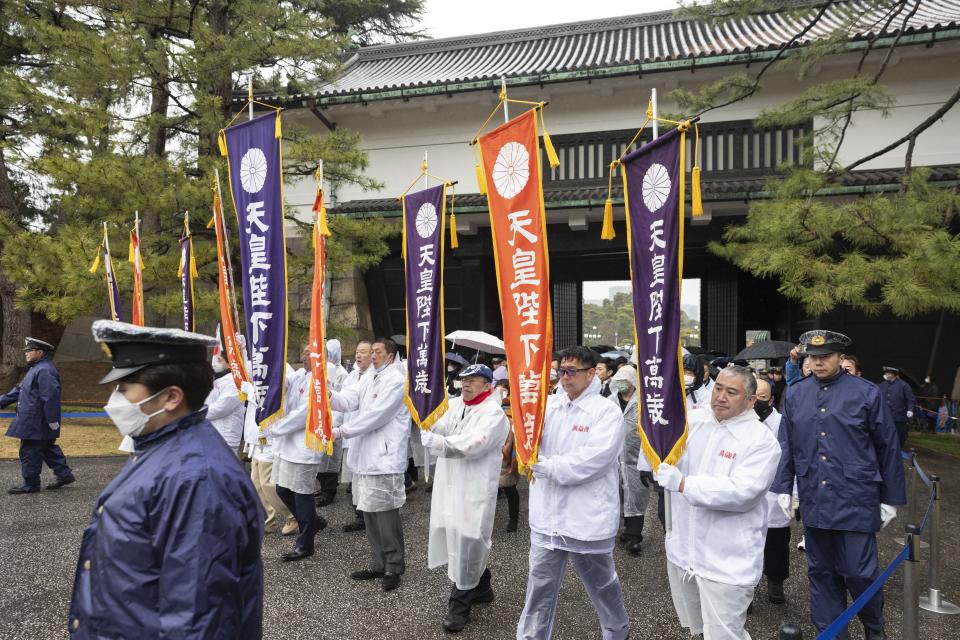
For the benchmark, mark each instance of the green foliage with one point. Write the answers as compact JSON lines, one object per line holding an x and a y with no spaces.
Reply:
{"x":873,"y":253}
{"x":613,"y":319}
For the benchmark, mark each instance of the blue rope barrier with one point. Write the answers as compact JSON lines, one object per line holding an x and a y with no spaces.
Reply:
{"x":840,"y":624}
{"x":923,"y":476}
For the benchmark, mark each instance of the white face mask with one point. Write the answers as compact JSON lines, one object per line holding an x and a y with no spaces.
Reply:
{"x":620,"y":386}
{"x":688,"y":380}
{"x":219,"y":366}
{"x":888,"y":377}
{"x":128,"y":416}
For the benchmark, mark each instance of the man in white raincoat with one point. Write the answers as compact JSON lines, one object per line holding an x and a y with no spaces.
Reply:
{"x":225,"y":411}
{"x":328,"y":474}
{"x":378,"y":457}
{"x":715,"y":548}
{"x":467,"y":440}
{"x":362,"y":365}
{"x":575,"y":501}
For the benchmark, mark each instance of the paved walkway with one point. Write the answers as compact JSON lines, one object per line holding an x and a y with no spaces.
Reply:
{"x":315,"y":598}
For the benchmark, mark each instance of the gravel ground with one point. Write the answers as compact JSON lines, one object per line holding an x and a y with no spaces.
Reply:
{"x":315,"y":598}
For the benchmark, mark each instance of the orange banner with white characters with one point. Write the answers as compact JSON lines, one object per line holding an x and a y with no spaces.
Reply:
{"x":319,"y":419}
{"x":510,"y":157}
{"x":225,"y":286}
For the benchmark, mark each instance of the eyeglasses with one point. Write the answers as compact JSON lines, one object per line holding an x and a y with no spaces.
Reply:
{"x":571,"y":372}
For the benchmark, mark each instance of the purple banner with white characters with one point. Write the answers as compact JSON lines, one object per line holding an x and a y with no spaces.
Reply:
{"x":256,"y":184}
{"x":113,"y":292}
{"x":187,"y":272}
{"x":653,"y":188}
{"x":423,"y":224}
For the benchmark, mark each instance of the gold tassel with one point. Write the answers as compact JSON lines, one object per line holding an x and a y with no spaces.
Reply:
{"x":548,"y":143}
{"x":696,"y":199}
{"x":454,"y":241}
{"x":222,"y":142}
{"x":193,"y":263}
{"x":96,"y":263}
{"x":277,"y":128}
{"x":324,"y":228}
{"x":131,"y":258}
{"x":608,"y":232}
{"x":212,"y":223}
{"x":480,"y":179}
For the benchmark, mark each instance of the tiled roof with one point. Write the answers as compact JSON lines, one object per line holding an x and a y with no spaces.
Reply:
{"x":727,"y":189}
{"x":608,"y":44}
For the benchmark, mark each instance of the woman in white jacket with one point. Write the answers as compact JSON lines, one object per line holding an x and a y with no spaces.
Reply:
{"x":467,"y":440}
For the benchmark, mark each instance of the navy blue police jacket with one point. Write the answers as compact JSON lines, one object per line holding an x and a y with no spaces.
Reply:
{"x":899,"y":397}
{"x":841,"y":445}
{"x":38,"y":403}
{"x":172,"y":549}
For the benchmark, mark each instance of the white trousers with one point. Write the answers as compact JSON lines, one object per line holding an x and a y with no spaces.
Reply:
{"x":598,"y":575}
{"x":717,"y":610}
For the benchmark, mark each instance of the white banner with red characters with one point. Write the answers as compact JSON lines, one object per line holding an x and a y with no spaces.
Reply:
{"x":510,"y":157}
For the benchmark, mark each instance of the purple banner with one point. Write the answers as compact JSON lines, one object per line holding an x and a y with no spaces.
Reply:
{"x":113,"y":292}
{"x":423,"y":224}
{"x":186,"y":282}
{"x":652,"y":188}
{"x":256,"y":179}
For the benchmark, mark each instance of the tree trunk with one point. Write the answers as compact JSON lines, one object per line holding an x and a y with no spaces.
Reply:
{"x":220,"y":82}
{"x":14,"y":323}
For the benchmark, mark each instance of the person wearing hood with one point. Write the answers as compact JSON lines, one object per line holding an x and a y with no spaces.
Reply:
{"x":778,"y":386}
{"x":719,"y":513}
{"x":37,"y":423}
{"x":295,"y":465}
{"x":467,"y":441}
{"x":379,"y":429}
{"x":697,"y":394}
{"x":173,"y":543}
{"x":776,"y":548}
{"x":841,"y":447}
{"x":900,"y":400}
{"x":328,"y":474}
{"x":636,"y":483}
{"x":224,"y":408}
{"x":575,"y":502}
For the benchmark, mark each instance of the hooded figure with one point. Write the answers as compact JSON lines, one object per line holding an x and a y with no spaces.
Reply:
{"x":697,"y":394}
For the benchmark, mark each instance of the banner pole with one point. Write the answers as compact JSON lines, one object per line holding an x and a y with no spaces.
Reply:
{"x":250,"y":98}
{"x":232,"y":293}
{"x":503,"y":91}
{"x":426,"y":451}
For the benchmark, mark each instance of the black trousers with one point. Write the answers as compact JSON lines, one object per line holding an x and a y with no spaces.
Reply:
{"x":513,"y":503}
{"x":776,"y":554}
{"x":303,"y":508}
{"x":33,"y":453}
{"x":901,"y":432}
{"x":328,"y":484}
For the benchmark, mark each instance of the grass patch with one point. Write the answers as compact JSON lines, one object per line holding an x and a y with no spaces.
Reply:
{"x":78,"y":438}
{"x":939,"y":442}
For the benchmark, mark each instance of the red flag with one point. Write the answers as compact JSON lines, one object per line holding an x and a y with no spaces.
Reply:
{"x":319,"y":436}
{"x":510,"y":156}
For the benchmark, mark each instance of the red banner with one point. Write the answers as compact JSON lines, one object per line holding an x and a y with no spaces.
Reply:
{"x":237,"y":369}
{"x":319,"y":419}
{"x":510,"y":157}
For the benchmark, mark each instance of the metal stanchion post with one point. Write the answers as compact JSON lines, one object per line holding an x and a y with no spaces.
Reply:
{"x":911,"y":585}
{"x":914,"y":505}
{"x":933,"y":600}
{"x":790,"y":631}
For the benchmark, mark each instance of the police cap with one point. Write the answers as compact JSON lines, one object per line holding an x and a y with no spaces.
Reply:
{"x":820,"y":342}
{"x":31,"y":344}
{"x":132,"y":348}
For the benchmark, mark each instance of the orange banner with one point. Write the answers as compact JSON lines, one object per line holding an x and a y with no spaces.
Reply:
{"x":510,"y":157}
{"x":137,"y":261}
{"x":237,"y":368}
{"x":319,"y":419}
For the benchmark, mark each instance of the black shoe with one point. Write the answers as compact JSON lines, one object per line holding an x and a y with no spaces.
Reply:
{"x":428,"y":488}
{"x":15,"y":491}
{"x":484,"y":596}
{"x":410,"y":488}
{"x":321,"y":523}
{"x":296,"y":554}
{"x":511,"y":526}
{"x":367,"y":574}
{"x":56,"y":484}
{"x":775,"y":592}
{"x":870,"y":634}
{"x":454,"y":623}
{"x":634,"y":547}
{"x":356,"y":525}
{"x":483,"y":592}
{"x":323,"y":499}
{"x":390,"y":581}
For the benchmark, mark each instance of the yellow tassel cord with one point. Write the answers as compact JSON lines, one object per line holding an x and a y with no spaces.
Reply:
{"x":696,"y":200}
{"x":324,"y":228}
{"x":222,"y":142}
{"x":454,"y":241}
{"x":608,"y":232}
{"x":547,"y":142}
{"x":478,"y":167}
{"x":277,"y":128}
{"x":96,"y":261}
{"x":212,"y":223}
{"x":131,"y":258}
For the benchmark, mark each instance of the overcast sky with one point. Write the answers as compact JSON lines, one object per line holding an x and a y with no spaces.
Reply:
{"x":447,"y":18}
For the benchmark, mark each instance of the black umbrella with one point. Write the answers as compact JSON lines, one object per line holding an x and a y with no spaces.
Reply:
{"x":456,"y":357}
{"x":767,"y":350}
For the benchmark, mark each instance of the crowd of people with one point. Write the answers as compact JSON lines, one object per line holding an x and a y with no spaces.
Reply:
{"x":174,"y":541}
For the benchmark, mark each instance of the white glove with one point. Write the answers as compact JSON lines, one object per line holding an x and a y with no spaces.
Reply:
{"x":668,"y":477}
{"x":541,"y":469}
{"x":336,"y":433}
{"x":785,"y":500}
{"x":54,"y":425}
{"x":430,"y":440}
{"x":250,"y":391}
{"x":887,"y":513}
{"x":909,"y":414}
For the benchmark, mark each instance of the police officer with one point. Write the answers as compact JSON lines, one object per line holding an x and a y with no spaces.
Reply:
{"x":840,"y":444}
{"x":173,"y":545}
{"x":900,"y":400}
{"x":38,"y":420}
